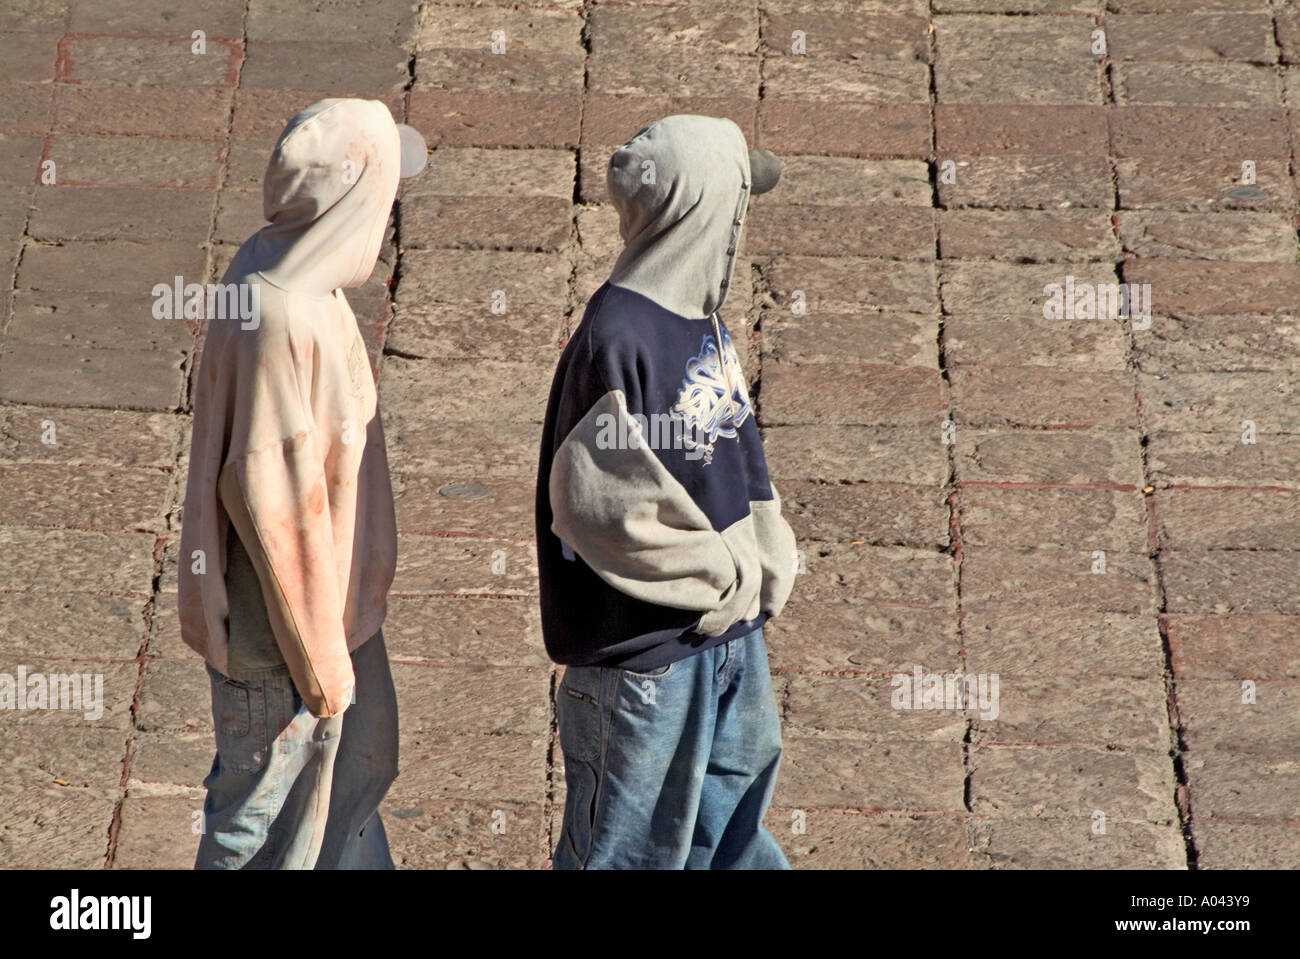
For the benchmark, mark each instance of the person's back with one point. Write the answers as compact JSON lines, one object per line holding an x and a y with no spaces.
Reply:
{"x":661,"y":547}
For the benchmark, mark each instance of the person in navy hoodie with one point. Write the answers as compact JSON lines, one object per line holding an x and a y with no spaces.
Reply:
{"x":661,"y":546}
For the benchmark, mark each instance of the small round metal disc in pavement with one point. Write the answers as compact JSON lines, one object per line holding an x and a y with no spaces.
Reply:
{"x":463,"y":491}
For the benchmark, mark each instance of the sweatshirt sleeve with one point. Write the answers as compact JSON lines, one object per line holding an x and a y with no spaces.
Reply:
{"x":273,"y":487}
{"x":776,"y":553}
{"x":631,"y":521}
{"x":276,"y":498}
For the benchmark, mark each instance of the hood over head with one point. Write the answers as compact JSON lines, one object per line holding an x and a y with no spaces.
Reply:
{"x":681,"y":187}
{"x":328,"y":191}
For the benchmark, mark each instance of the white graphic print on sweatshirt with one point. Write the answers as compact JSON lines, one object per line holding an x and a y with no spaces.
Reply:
{"x":713,"y":400}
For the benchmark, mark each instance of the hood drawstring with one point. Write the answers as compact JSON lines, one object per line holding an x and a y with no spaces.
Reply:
{"x":733,"y":242}
{"x":722,"y":362}
{"x":736,"y":222}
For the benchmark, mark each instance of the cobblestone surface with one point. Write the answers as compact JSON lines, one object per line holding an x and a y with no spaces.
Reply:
{"x":1103,"y":512}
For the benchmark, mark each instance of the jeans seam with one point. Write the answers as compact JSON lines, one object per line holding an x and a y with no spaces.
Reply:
{"x":605,"y":719}
{"x":729,"y":665}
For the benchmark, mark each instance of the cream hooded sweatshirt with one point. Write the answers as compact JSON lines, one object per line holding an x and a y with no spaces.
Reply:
{"x":287,"y":443}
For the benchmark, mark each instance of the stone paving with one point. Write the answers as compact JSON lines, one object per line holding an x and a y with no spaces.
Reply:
{"x":1103,"y":512}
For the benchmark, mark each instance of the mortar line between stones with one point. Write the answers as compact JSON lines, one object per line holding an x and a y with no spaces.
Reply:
{"x":761,"y":286}
{"x":951,"y":485}
{"x":384,"y":323}
{"x":1182,"y":798}
{"x":114,"y":822}
{"x":571,"y":310}
{"x":174,"y":493}
{"x":1279,"y":69}
{"x":6,"y":321}
{"x":575,"y":234}
{"x":1178,"y":746}
{"x":24,"y":237}
{"x":552,"y":739}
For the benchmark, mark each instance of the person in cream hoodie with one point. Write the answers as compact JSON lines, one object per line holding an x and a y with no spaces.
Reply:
{"x":289,"y":544}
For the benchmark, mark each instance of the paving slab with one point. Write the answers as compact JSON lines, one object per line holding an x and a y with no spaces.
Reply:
{"x":1022,"y":236}
{"x":851,"y":774}
{"x":1048,"y":781}
{"x":1214,"y":459}
{"x":1068,"y":81}
{"x":814,"y":78}
{"x":854,"y":454}
{"x":838,"y":840}
{"x":1231,"y":845}
{"x":857,"y":637}
{"x":1055,"y":643}
{"x":1179,"y":182}
{"x":1030,"y":340}
{"x":1075,"y":844}
{"x":1243,"y":85}
{"x":1194,"y":343}
{"x":1012,"y":455}
{"x":1041,"y":396}
{"x":1210,"y":646}
{"x":885,"y":513}
{"x":1104,"y":519}
{"x":1070,"y":577}
{"x":459,"y":834}
{"x":1032,"y":182}
{"x":1265,"y":519}
{"x":1227,"y":581}
{"x":1192,"y":36}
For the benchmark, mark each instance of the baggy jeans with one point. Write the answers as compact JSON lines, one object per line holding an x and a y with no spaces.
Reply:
{"x":290,"y":791}
{"x":671,"y":769}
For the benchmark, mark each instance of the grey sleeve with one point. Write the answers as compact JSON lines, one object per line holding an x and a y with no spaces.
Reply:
{"x":776,"y":553}
{"x":632,"y":522}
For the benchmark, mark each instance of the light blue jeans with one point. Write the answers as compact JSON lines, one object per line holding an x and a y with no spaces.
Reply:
{"x":290,"y":791}
{"x":671,"y":769}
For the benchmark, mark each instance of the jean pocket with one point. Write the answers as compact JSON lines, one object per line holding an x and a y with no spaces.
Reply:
{"x":639,"y":689}
{"x":661,"y":673}
{"x":577,"y":713}
{"x":239,"y":721}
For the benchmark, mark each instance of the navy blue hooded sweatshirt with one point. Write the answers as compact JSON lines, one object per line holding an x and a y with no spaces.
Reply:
{"x":659,"y":532}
